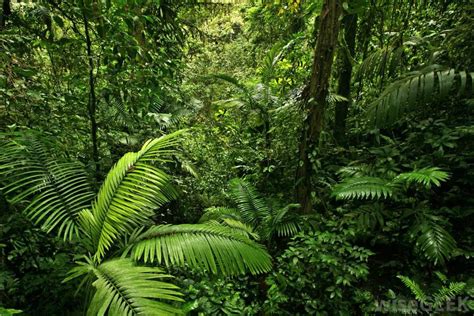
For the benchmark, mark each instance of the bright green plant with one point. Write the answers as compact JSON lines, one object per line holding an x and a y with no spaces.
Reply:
{"x":255,"y":213}
{"x":360,"y":183}
{"x":443,"y":293}
{"x":132,"y":192}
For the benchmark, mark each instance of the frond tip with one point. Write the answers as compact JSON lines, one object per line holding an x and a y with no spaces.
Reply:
{"x":424,"y":176}
{"x":209,"y":246}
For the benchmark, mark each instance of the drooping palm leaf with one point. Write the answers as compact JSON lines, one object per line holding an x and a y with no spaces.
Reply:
{"x":213,"y":247}
{"x":133,"y":190}
{"x":123,"y":288}
{"x":58,"y":189}
{"x":435,"y":242}
{"x":433,"y":82}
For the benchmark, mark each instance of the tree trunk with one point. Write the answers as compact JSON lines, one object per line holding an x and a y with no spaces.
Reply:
{"x":92,"y":105}
{"x":314,"y":98}
{"x":344,"y":85}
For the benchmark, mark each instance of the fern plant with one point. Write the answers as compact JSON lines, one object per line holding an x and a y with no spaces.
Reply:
{"x":56,"y":189}
{"x":57,"y":196}
{"x":434,"y":82}
{"x":446,"y":292}
{"x":252,"y":210}
{"x":431,"y":238}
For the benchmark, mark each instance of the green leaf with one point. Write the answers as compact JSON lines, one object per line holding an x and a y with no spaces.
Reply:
{"x":424,"y":176}
{"x":123,"y":288}
{"x":133,"y":190}
{"x":363,"y":188}
{"x":414,"y":288}
{"x":213,"y":247}
{"x":59,"y":190}
{"x":435,"y":242}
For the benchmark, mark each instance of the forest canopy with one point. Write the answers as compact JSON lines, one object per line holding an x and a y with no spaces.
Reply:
{"x":233,"y":157}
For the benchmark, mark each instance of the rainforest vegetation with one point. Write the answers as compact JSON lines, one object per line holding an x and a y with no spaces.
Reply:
{"x":216,"y":157}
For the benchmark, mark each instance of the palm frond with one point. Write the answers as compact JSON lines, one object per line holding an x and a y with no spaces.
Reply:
{"x":133,"y":190}
{"x":434,"y":241}
{"x":447,"y":293}
{"x":284,"y":222}
{"x":251,"y":205}
{"x":58,"y":189}
{"x":381,"y":61}
{"x":238,"y":226}
{"x":354,"y":171}
{"x":433,"y":82}
{"x":420,"y":295}
{"x":369,"y":216}
{"x":363,"y":188}
{"x":123,"y":288}
{"x":212,"y":247}
{"x":219,"y":213}
{"x":424,"y":176}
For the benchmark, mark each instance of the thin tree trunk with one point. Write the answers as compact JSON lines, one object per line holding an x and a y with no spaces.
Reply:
{"x":344,"y":85}
{"x":92,"y":106}
{"x":314,"y":98}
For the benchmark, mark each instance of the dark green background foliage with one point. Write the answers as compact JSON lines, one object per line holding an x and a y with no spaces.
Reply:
{"x":153,"y":156}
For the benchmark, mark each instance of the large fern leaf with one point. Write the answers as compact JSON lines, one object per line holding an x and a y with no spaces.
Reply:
{"x":363,"y":188}
{"x":420,"y":295}
{"x":434,"y":241}
{"x":55,"y":190}
{"x":447,"y":293}
{"x":123,"y":288}
{"x":251,"y":205}
{"x":433,"y":82}
{"x":213,"y":247}
{"x":133,"y":190}
{"x":424,"y":176}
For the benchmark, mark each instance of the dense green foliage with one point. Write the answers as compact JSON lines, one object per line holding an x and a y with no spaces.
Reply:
{"x":236,"y":157}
